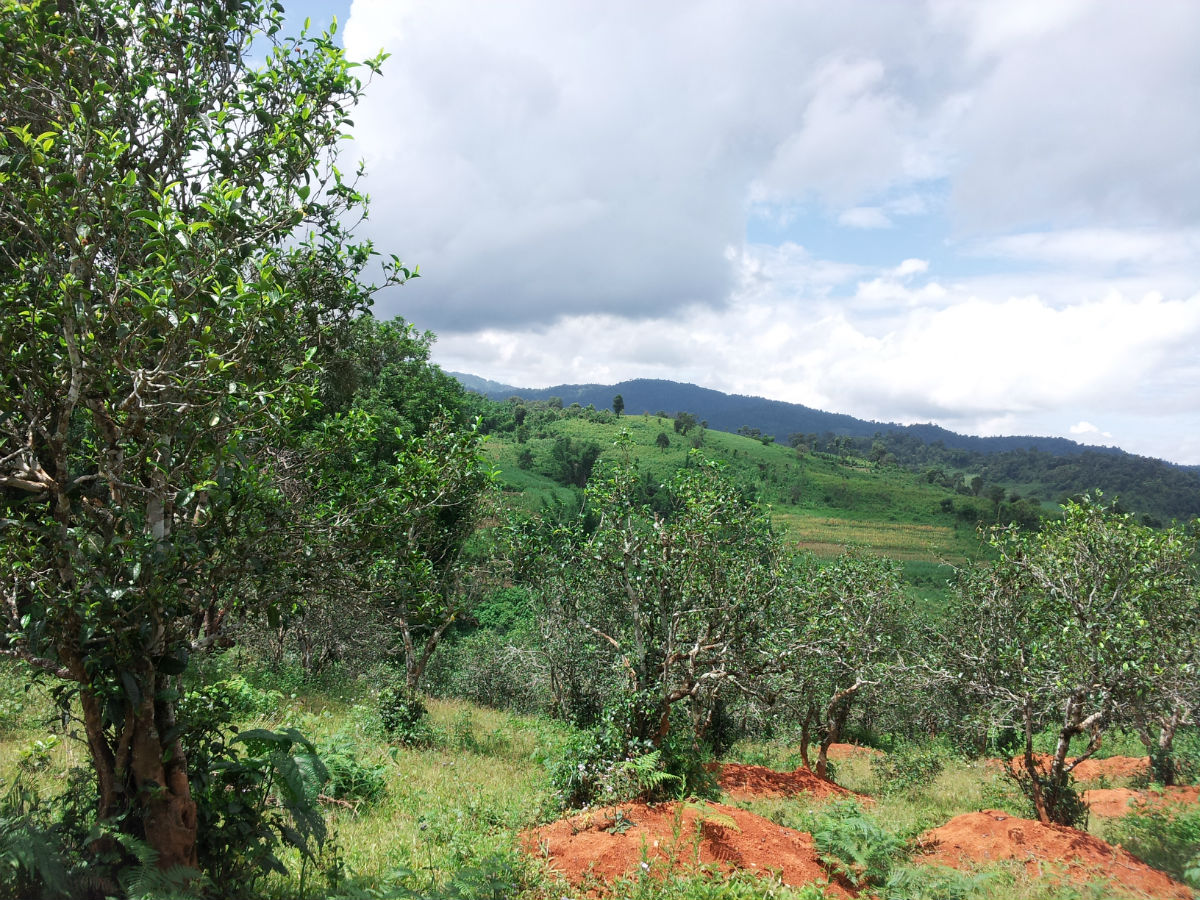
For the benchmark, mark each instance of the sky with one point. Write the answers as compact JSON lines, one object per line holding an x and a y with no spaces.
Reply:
{"x":981,"y":214}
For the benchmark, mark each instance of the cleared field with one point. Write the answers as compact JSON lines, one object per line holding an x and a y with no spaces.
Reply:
{"x":827,"y":536}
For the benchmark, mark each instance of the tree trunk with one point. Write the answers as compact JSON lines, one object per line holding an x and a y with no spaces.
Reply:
{"x":132,"y":776}
{"x":1031,"y":769}
{"x":805,"y":735}
{"x":1161,"y":749}
{"x":833,"y":731}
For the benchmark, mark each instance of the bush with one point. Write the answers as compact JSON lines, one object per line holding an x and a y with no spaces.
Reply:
{"x":908,"y":766}
{"x":246,"y":700}
{"x":255,"y":791}
{"x":605,"y":765}
{"x":350,"y":780}
{"x":32,"y":861}
{"x":1064,"y":804}
{"x":491,"y":668}
{"x":404,"y":716}
{"x":1167,"y":838}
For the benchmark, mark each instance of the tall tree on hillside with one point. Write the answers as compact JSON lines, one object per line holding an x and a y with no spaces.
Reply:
{"x":172,"y":262}
{"x":618,"y":405}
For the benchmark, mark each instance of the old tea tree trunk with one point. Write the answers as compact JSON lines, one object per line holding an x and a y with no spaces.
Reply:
{"x":162,"y":215}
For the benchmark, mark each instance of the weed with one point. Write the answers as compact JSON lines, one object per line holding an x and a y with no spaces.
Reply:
{"x":37,"y":755}
{"x":1167,"y":838}
{"x":351,"y":780}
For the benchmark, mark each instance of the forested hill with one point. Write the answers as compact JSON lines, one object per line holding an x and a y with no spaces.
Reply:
{"x":1053,"y":468}
{"x":729,"y":412}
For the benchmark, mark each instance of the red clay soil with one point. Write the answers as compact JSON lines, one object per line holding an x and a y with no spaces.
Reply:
{"x":1120,"y":801}
{"x":990,"y":836}
{"x":846,"y":751}
{"x":1091,"y":769}
{"x":742,"y":782}
{"x":608,"y":842}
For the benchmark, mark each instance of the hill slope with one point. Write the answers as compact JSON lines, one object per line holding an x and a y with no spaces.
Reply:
{"x":1046,"y":467}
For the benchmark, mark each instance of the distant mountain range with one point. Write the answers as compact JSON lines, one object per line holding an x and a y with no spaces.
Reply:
{"x":729,"y":412}
{"x":1053,"y":467}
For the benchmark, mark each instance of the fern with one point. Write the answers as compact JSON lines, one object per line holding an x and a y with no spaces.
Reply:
{"x":854,"y":846}
{"x":145,"y":881}
{"x":706,"y":815}
{"x":645,"y":772}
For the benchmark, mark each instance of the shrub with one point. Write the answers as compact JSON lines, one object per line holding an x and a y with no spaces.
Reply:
{"x":247,"y":700}
{"x":908,"y":766}
{"x":254,"y":791}
{"x":606,"y":765}
{"x":1167,"y":838}
{"x":404,"y":716}
{"x":31,"y":856}
{"x":1063,"y":803}
{"x":491,"y":668}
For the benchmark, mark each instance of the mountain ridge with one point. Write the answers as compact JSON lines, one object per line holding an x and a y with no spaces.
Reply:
{"x":729,"y":412}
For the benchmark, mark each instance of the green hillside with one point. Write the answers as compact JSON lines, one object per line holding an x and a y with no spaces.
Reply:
{"x":821,"y":502}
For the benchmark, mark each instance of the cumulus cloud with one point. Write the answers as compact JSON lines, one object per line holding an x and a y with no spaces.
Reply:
{"x":580,"y":183}
{"x":1086,"y":429}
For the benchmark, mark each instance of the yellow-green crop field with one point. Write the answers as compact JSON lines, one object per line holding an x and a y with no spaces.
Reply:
{"x":826,"y":537}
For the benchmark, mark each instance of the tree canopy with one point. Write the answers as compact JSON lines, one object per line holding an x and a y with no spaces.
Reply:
{"x":174,"y":259}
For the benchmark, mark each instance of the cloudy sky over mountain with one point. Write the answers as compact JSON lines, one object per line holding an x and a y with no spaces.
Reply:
{"x":982,"y":214}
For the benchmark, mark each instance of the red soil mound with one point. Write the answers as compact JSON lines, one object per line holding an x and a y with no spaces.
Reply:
{"x":1091,"y":769}
{"x":846,"y":751}
{"x":743,"y":782}
{"x":608,"y":842}
{"x":1119,"y":801}
{"x":990,"y":836}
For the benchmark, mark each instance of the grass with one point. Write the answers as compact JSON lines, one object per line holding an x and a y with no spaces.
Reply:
{"x":453,"y":810}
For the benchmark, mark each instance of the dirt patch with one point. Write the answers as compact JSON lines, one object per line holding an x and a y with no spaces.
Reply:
{"x":848,"y":751}
{"x":1121,"y":801}
{"x":608,"y":842}
{"x":990,"y":836}
{"x":1091,"y":769}
{"x":742,"y":782}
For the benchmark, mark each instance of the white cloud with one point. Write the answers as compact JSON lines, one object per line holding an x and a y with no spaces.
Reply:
{"x":576,"y":183}
{"x":911,"y":267}
{"x":865,"y":217}
{"x":1098,"y":247}
{"x":1087,"y":429}
{"x":1080,"y":113}
{"x":977,"y":364}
